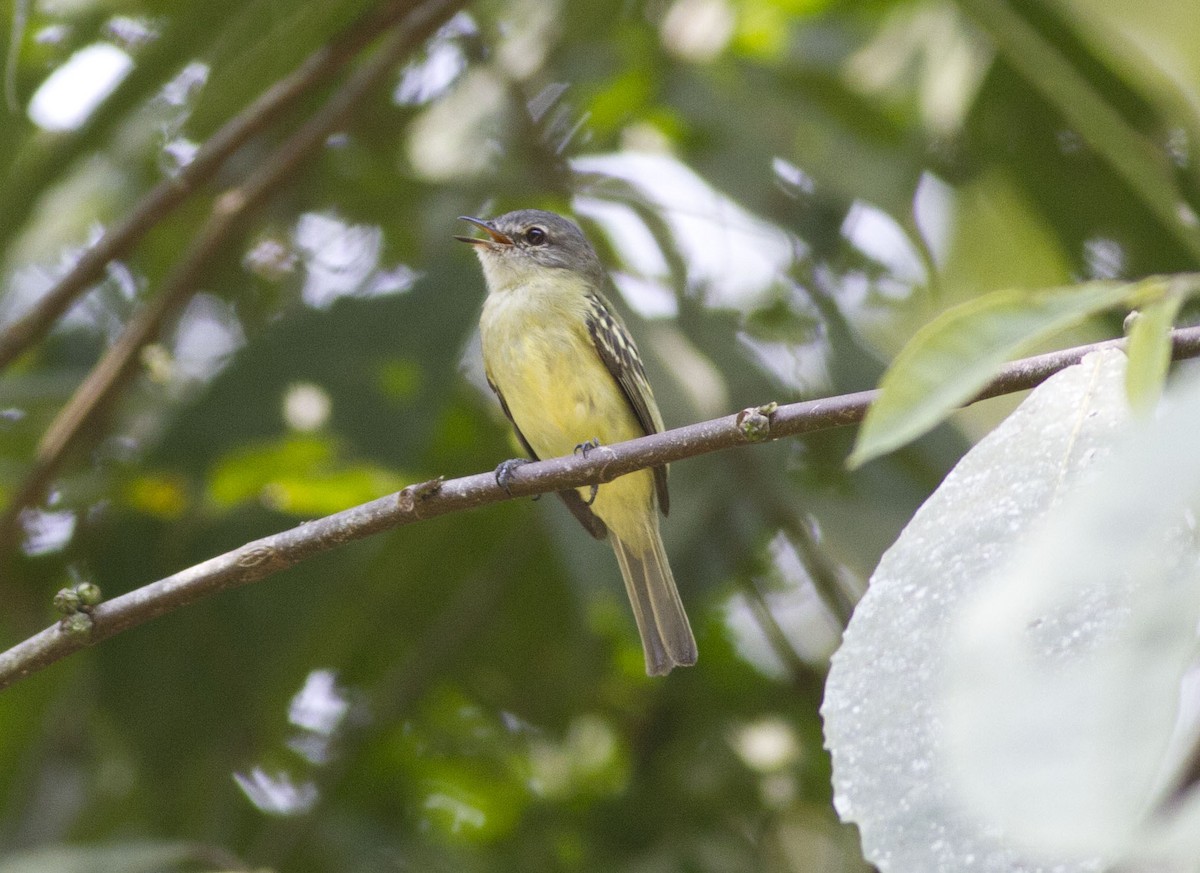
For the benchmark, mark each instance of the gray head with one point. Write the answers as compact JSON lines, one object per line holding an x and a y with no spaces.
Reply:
{"x":531,"y":243}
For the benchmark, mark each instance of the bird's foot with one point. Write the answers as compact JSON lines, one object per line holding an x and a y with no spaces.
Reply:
{"x":585,"y":449}
{"x":504,"y":474}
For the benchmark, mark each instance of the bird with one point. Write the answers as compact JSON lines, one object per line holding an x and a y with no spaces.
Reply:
{"x":569,"y":378}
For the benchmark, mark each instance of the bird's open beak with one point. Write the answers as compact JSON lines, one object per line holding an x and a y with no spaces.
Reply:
{"x":496,"y":236}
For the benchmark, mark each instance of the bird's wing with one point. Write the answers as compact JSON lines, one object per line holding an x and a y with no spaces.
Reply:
{"x":619,"y":354}
{"x":576,"y":504}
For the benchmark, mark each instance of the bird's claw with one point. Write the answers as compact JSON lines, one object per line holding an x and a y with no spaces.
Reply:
{"x":586,"y":449}
{"x":504,"y":473}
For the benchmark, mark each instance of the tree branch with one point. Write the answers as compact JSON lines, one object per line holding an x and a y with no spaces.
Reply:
{"x":231,"y":209}
{"x":264,"y":557}
{"x":169,"y":193}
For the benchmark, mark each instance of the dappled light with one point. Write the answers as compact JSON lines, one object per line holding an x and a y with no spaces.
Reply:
{"x":732,"y":257}
{"x":46,"y":532}
{"x":74,"y":90}
{"x":277,"y":793}
{"x":344,"y":260}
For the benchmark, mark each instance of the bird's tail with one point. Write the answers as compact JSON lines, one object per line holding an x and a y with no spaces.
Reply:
{"x":666,"y":635}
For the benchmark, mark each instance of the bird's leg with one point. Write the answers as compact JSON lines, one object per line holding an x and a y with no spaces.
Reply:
{"x":504,"y":474}
{"x":585,"y":448}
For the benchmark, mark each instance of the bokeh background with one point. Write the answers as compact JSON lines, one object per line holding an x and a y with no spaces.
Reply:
{"x":785,"y":190}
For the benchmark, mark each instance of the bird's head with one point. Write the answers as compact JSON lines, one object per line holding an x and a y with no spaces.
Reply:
{"x":530,"y":244}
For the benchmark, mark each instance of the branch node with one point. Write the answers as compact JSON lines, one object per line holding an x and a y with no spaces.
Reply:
{"x":256,"y":556}
{"x":754,"y":423}
{"x":76,"y":604}
{"x":77,"y":623}
{"x":67,"y":601}
{"x":89,"y":594}
{"x":408,"y":499}
{"x":608,"y":455}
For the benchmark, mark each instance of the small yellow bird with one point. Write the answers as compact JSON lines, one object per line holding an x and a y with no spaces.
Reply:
{"x":569,"y":378}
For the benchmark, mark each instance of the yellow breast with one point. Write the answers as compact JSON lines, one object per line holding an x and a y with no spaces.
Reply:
{"x":538,"y":353}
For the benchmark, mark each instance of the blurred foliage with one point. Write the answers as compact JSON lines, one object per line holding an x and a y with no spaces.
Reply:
{"x":952,"y":358}
{"x":786,"y":191}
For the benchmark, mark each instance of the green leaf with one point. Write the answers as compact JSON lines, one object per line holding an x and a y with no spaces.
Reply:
{"x":1150,"y":351}
{"x":160,"y":494}
{"x":243,"y":474}
{"x":300,"y":476}
{"x":884,"y":707}
{"x":1066,"y":685}
{"x":327,"y":491}
{"x":952,"y":357}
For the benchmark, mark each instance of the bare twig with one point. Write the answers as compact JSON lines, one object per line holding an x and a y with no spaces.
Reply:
{"x":805,"y":677}
{"x":264,"y":557}
{"x":103,"y":383}
{"x":827,"y":581}
{"x":316,"y":69}
{"x":832,"y":589}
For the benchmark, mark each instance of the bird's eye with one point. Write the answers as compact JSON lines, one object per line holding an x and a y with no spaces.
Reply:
{"x":535,"y":236}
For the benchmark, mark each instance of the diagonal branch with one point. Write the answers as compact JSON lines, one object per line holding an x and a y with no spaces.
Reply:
{"x":264,"y":557}
{"x":102,"y":385}
{"x":316,"y":69}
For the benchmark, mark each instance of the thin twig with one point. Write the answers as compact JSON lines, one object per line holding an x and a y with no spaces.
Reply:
{"x":20,"y":17}
{"x":264,"y":557}
{"x":823,"y":574}
{"x":102,"y":385}
{"x":805,"y":677}
{"x":832,"y":589}
{"x":316,"y":69}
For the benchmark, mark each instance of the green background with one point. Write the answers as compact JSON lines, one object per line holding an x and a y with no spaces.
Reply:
{"x":486,"y":701}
